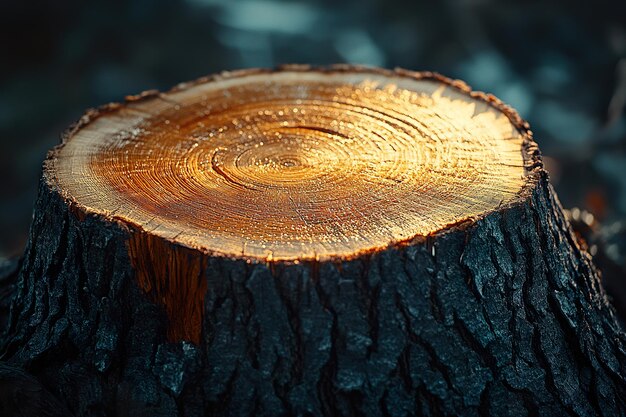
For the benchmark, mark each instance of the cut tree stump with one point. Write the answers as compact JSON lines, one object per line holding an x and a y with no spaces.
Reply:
{"x":340,"y":242}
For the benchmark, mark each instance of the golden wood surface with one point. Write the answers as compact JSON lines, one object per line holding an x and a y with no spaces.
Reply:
{"x":294,"y":165}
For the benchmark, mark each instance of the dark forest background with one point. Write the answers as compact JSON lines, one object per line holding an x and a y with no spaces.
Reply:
{"x":562,"y":65}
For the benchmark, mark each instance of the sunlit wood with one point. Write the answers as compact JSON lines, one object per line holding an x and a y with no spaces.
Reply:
{"x":324,"y":242}
{"x":294,"y":165}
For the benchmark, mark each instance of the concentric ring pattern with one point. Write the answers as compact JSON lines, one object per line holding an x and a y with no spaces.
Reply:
{"x":296,"y":165}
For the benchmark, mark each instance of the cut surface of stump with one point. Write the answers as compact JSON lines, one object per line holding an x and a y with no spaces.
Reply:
{"x":293,"y":166}
{"x":344,"y":241}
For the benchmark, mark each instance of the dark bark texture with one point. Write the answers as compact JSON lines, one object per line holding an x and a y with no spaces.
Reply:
{"x":505,"y":317}
{"x":8,"y":281}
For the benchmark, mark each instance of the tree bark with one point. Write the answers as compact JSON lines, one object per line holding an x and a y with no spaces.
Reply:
{"x":500,"y":313}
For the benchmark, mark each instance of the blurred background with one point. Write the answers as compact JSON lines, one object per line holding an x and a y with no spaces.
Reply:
{"x":562,"y":65}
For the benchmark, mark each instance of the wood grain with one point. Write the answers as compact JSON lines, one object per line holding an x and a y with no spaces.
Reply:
{"x":294,"y":165}
{"x":405,"y":255}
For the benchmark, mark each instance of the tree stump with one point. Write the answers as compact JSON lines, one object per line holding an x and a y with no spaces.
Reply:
{"x":342,"y":241}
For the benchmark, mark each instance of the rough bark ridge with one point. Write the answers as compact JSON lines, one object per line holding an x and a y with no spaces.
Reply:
{"x":505,"y":317}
